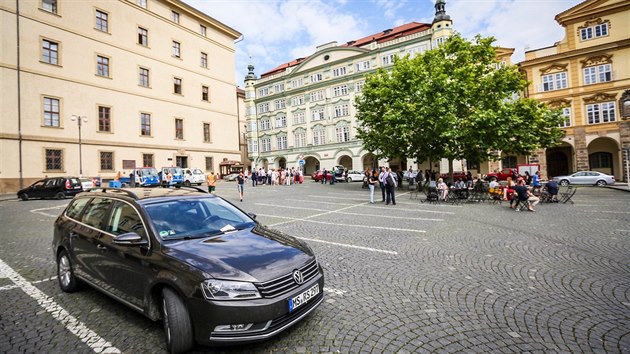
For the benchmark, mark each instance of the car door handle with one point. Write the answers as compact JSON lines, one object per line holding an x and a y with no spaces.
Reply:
{"x":101,"y":247}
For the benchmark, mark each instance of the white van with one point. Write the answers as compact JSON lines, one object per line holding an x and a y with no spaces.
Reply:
{"x":193,"y":176}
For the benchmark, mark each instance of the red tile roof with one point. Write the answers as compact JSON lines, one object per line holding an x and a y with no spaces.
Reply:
{"x":381,"y":37}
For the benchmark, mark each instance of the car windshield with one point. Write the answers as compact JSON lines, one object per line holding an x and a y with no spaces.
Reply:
{"x":175,"y":171}
{"x":146,"y":172}
{"x":196,"y":217}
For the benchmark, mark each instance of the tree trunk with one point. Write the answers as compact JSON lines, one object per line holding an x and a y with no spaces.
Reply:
{"x":450,"y":171}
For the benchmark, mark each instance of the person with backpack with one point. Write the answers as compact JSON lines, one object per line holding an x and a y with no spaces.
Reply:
{"x":389,"y":178}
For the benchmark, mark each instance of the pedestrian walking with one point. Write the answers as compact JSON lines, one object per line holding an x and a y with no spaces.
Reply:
{"x":389,"y":177}
{"x":240,"y":179}
{"x":212,"y":182}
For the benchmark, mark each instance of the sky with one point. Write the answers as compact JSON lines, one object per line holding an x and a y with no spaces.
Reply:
{"x":279,"y":31}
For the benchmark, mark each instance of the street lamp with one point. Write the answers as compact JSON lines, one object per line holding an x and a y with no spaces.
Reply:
{"x":79,"y":120}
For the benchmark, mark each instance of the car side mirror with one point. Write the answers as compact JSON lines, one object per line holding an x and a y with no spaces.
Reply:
{"x":252,"y":215}
{"x":130,"y":239}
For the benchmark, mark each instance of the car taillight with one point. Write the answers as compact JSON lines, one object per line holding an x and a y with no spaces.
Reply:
{"x":67,"y":184}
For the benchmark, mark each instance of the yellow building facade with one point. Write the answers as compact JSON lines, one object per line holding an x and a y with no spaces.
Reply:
{"x":97,"y":87}
{"x":587,"y":75}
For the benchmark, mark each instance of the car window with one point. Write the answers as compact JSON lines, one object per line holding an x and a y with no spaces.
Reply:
{"x":124,"y":219}
{"x":50,"y":183}
{"x":39,"y":184}
{"x":96,"y":212}
{"x":197,"y":217}
{"x":75,"y":207}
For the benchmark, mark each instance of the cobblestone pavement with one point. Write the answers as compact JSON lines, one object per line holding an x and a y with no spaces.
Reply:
{"x":409,"y":278}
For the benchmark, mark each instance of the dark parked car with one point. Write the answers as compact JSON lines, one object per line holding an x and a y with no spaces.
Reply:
{"x":55,"y":187}
{"x":209,"y":271}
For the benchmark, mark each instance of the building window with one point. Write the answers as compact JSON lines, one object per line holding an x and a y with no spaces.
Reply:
{"x":319,"y":136}
{"x":204,"y":60}
{"x":278,"y":87}
{"x":508,"y":162}
{"x":343,"y":134}
{"x":143,"y":36}
{"x":340,"y":90}
{"x":50,"y":52}
{"x":300,"y":139}
{"x":265,"y":124}
{"x":147,"y":160}
{"x":266,"y":144}
{"x":252,"y":145}
{"x":49,"y":5}
{"x":51,"y":112}
{"x":437,"y":42}
{"x":176,"y":49}
{"x":282,"y":142}
{"x":600,"y":160}
{"x":281,"y":121}
{"x":54,"y":160}
{"x":145,"y":124}
{"x":359,"y":86}
{"x":209,"y":163}
{"x":600,"y":112}
{"x":102,"y":66}
{"x":299,"y":118}
{"x":388,"y":59}
{"x":143,"y":77}
{"x":263,"y":92}
{"x":599,"y":30}
{"x":555,"y":81}
{"x":101,"y":21}
{"x":364,"y":65}
{"x":566,"y":113}
{"x":263,"y":108}
{"x":179,"y":129}
{"x":104,"y":119}
{"x":205,"y":93}
{"x":142,"y":3}
{"x":297,"y":100}
{"x":202,"y":30}
{"x":107,"y":161}
{"x":339,"y":71}
{"x":177,"y":85}
{"x":280,"y":104}
{"x":316,"y":77}
{"x":317,"y":96}
{"x":317,"y":114}
{"x":251,"y":126}
{"x":297,"y":83}
{"x":206,"y":132}
{"x":341,"y":110}
{"x":175,"y":16}
{"x":597,"y":74}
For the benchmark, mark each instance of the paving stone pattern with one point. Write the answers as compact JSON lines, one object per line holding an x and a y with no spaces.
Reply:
{"x":409,"y":278}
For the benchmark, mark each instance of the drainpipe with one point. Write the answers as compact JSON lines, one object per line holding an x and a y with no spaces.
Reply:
{"x":19,"y":94}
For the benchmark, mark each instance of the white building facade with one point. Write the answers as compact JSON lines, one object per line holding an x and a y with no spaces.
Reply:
{"x":304,"y":109}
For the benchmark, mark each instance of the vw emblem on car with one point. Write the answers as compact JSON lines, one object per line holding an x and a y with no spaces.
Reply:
{"x":298,"y":277}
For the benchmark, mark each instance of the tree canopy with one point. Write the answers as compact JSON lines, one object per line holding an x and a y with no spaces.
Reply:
{"x":456,"y":101}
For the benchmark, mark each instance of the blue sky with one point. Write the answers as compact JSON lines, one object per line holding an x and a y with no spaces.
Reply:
{"x":278,"y":31}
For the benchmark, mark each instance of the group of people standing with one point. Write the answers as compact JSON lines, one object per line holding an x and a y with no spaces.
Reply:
{"x":276,"y":177}
{"x":387,"y":180}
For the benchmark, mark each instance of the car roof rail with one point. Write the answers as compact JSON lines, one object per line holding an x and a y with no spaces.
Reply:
{"x":117,"y":190}
{"x":194,"y":188}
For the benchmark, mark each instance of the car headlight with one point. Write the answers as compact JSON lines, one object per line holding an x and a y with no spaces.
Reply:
{"x":214,"y":289}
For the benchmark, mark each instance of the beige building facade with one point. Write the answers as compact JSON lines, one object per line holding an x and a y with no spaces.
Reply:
{"x":587,"y":75}
{"x":97,"y":87}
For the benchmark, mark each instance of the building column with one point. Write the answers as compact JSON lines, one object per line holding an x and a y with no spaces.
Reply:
{"x":624,"y":140}
{"x":581,"y":149}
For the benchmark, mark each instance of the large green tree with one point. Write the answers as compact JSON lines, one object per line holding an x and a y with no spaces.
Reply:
{"x":456,"y":101}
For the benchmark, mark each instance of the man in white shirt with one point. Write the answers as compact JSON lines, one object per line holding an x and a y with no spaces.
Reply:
{"x":381,"y":183}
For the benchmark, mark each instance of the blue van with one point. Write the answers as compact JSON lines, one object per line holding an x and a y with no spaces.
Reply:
{"x":177,"y":174}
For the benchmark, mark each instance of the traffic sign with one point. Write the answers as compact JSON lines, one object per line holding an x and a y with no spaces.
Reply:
{"x":301,"y":162}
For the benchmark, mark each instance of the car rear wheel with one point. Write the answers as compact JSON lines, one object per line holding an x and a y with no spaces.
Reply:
{"x":349,"y":179}
{"x":564,"y":182}
{"x":601,"y":183}
{"x":177,"y":326}
{"x":67,"y":281}
{"x":60,"y":195}
{"x":24,"y":196}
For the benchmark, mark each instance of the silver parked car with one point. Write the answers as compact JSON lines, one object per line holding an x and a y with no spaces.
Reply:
{"x":586,"y":177}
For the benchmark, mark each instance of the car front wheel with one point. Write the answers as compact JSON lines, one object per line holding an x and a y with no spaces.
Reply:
{"x":177,"y":325}
{"x":564,"y":182}
{"x":601,"y":183}
{"x":24,"y":196}
{"x":67,"y":281}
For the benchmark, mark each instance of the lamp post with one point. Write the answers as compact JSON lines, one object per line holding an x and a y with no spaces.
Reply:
{"x":79,"y":120}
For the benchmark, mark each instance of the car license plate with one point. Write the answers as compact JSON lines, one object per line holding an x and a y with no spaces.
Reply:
{"x":303,"y":298}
